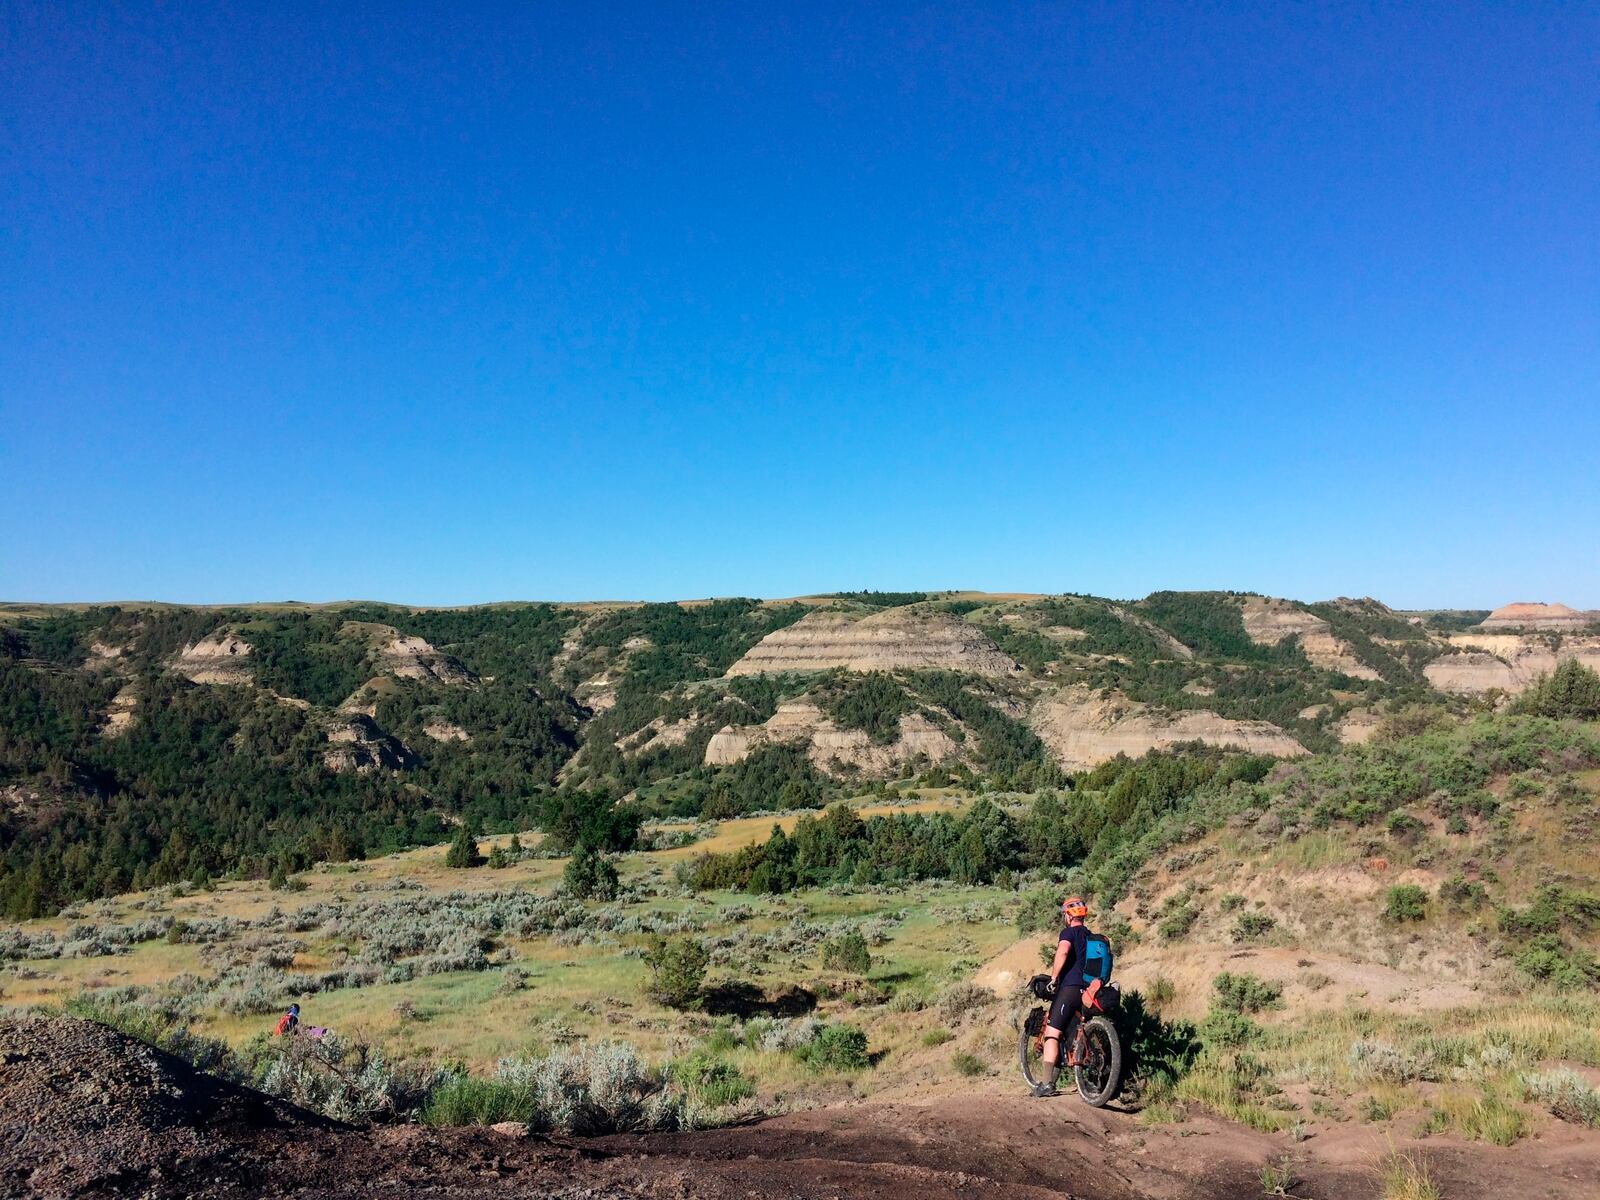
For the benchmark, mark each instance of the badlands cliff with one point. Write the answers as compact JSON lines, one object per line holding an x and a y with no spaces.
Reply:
{"x":1507,"y":661}
{"x":1270,"y":621}
{"x":895,"y":640}
{"x":1083,"y":728}
{"x":219,"y":658}
{"x":830,"y":748}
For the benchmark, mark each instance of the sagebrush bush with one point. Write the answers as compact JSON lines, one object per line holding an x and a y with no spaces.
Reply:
{"x":346,"y":1080}
{"x":1373,"y":1060}
{"x":1251,"y":927}
{"x":968,"y":1064}
{"x":591,"y":1089}
{"x":1566,"y":1094}
{"x":961,"y":1000}
{"x":1246,"y":993}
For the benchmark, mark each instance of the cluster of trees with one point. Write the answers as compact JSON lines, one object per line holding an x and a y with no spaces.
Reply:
{"x":1105,"y":810}
{"x":211,"y":781}
{"x":1571,"y":691}
{"x":1212,"y":624}
{"x":873,"y":702}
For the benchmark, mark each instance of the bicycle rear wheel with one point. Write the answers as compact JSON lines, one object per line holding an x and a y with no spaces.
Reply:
{"x":1033,"y":1069}
{"x":1100,"y":1072}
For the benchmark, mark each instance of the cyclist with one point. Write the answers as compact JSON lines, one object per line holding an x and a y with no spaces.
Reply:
{"x":1067,"y":972}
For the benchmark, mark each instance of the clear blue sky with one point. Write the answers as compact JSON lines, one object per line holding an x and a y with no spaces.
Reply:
{"x":453,"y":303}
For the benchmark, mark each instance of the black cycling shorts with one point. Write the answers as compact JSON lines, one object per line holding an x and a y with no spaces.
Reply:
{"x":1066,"y":1002}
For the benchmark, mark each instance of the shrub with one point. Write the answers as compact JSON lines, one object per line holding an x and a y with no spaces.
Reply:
{"x":1156,"y":1054}
{"x":1178,"y":915}
{"x":961,"y":1000}
{"x":711,"y":1081}
{"x":1246,"y":993}
{"x":937,"y":1037}
{"x":836,"y":1048}
{"x":1405,"y":902}
{"x":908,"y":1002}
{"x":1160,"y":991}
{"x":1572,"y":690}
{"x":847,"y":952}
{"x":463,"y":850}
{"x":1251,"y":927}
{"x":1373,"y":1060}
{"x":968,"y":1064}
{"x":589,"y":875}
{"x":1547,"y":957}
{"x":1230,"y":902}
{"x":591,"y":1089}
{"x":776,"y":1036}
{"x":1404,"y":827}
{"x":1566,"y":1094}
{"x":1458,"y":894}
{"x":348,"y":1081}
{"x":677,"y":971}
{"x":1228,"y":1030}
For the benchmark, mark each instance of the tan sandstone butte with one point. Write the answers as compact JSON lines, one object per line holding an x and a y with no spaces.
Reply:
{"x":896,"y":640}
{"x":1525,"y":615}
{"x":1084,"y":729}
{"x":801,"y":722}
{"x":216,"y":658}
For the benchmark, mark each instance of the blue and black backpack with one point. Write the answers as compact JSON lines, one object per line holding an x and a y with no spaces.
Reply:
{"x":1097,"y":959}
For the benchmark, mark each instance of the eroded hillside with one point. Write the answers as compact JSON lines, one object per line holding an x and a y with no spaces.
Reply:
{"x":147,"y":745}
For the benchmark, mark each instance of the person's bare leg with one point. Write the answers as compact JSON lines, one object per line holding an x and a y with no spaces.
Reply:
{"x":1052,"y":1056}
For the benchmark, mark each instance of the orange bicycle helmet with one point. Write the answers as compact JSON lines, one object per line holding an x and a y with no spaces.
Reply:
{"x":1074,"y":906}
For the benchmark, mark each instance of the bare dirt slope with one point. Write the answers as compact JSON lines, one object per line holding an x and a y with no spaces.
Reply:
{"x":87,"y":1112}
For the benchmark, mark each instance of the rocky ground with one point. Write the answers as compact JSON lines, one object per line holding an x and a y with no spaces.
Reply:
{"x":86,"y":1112}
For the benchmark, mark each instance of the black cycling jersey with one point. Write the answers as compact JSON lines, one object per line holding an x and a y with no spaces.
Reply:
{"x":1077,"y":937}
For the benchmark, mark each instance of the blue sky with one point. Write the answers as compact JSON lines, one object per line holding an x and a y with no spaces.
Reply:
{"x":451,"y":304}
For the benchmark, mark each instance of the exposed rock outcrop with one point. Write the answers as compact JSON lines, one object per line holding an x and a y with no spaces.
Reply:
{"x":1358,"y":726}
{"x":1269,"y":621}
{"x":357,"y":744}
{"x":659,"y":734}
{"x":1539,"y":616}
{"x":217,"y":658}
{"x":444,"y":731}
{"x":119,"y":713}
{"x":828,"y":746}
{"x":1083,"y":729}
{"x":1177,"y":648}
{"x":414,"y":658}
{"x":1508,"y":661}
{"x":896,"y":640}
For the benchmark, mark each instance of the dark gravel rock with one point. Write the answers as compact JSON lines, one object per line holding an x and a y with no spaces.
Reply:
{"x":87,"y":1111}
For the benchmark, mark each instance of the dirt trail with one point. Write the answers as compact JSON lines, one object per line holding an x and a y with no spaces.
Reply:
{"x":85,"y":1112}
